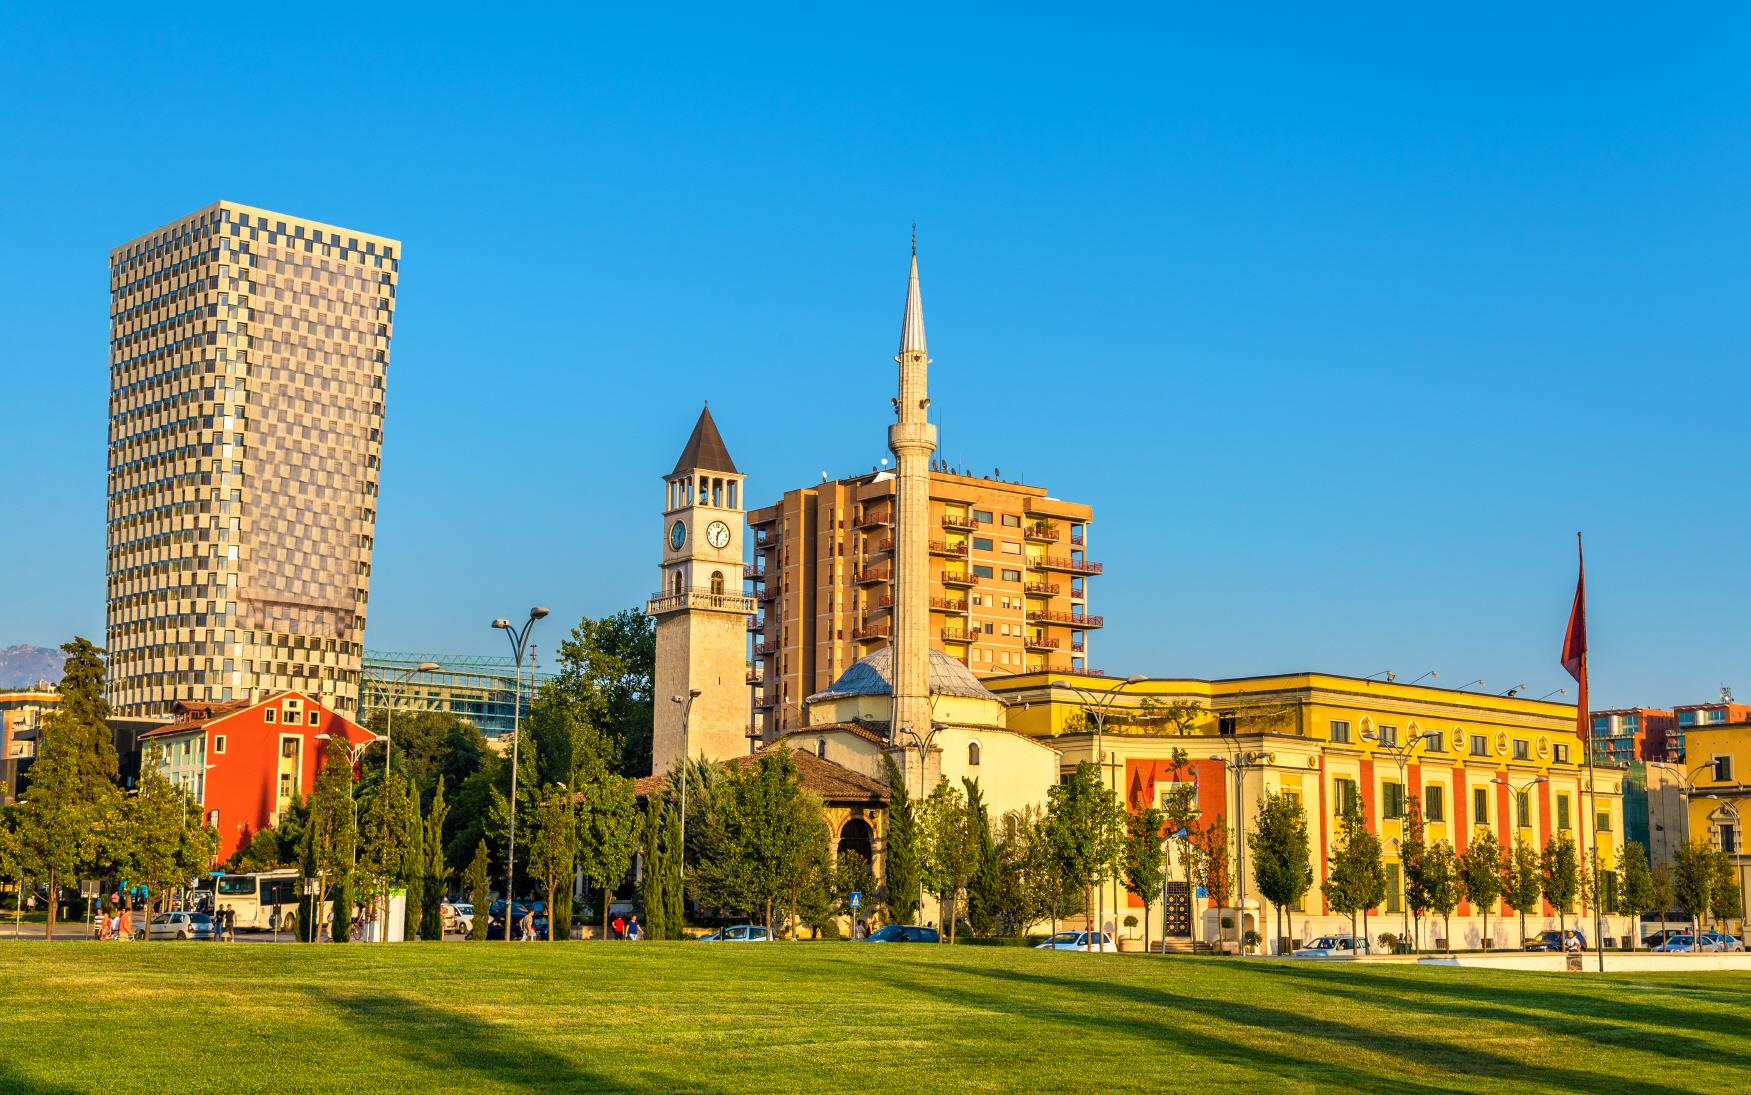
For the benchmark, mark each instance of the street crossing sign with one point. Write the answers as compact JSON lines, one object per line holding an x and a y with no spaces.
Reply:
{"x":856,"y":900}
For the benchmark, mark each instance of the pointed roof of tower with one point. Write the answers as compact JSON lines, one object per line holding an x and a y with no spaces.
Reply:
{"x":705,"y":448}
{"x":912,"y":326}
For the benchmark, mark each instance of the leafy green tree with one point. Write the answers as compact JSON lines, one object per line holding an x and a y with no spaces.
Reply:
{"x":605,"y":673}
{"x":387,"y":854}
{"x":1085,"y":827}
{"x":902,"y":867}
{"x":674,"y":890}
{"x":1179,"y":808}
{"x":424,"y":744}
{"x":434,"y":872}
{"x":471,"y":813}
{"x":261,"y":853}
{"x":1413,"y":857}
{"x":608,"y":829}
{"x":852,"y":874}
{"x":1142,"y":862}
{"x":553,"y":834}
{"x":953,"y":849}
{"x":1726,"y":900}
{"x":654,"y":876}
{"x":765,"y":840}
{"x":1022,"y":896}
{"x":1559,"y":870}
{"x":154,"y":819}
{"x":1521,"y":881}
{"x":334,"y":834}
{"x":1635,"y":887}
{"x":1693,"y":882}
{"x":1480,"y":874}
{"x":1282,"y":866}
{"x":985,"y":883}
{"x":478,"y":881}
{"x":1356,"y":881}
{"x":1211,"y":842}
{"x":1444,"y":886}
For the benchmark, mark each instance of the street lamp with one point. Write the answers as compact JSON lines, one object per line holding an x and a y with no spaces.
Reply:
{"x":389,"y":706}
{"x":686,"y":713}
{"x":1239,"y":762}
{"x":519,"y":638}
{"x":922,"y":744}
{"x":1096,"y":706}
{"x":1401,"y":753}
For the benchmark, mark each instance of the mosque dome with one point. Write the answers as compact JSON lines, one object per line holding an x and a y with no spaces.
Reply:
{"x":874,"y":676}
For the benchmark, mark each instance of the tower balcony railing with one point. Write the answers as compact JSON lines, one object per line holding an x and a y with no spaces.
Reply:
{"x":1044,"y":531}
{"x":1040,"y":642}
{"x":962,"y":523}
{"x":725,"y":602}
{"x":875,"y":518}
{"x":957,"y":578}
{"x":944,"y":547}
{"x":1074,"y":619}
{"x":1040,"y":589}
{"x":947,"y":604}
{"x":957,"y":635}
{"x":870,"y":575}
{"x":1060,"y":562}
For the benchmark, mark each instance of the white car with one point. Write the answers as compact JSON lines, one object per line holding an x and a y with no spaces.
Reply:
{"x":741,"y":933}
{"x":1079,"y":941}
{"x":1328,"y":946}
{"x":458,"y":917}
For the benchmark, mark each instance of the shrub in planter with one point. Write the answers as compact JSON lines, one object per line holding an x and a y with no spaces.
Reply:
{"x":1252,"y":939}
{"x":1388,"y":942}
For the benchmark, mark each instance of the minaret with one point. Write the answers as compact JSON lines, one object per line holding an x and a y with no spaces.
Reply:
{"x":912,"y":439}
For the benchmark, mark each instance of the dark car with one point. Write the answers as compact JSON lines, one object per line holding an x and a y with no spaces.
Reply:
{"x":904,"y":933}
{"x":495,"y":923}
{"x":1659,"y":937}
{"x":1553,"y":940}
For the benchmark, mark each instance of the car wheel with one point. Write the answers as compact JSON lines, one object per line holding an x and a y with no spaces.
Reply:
{"x":182,"y":935}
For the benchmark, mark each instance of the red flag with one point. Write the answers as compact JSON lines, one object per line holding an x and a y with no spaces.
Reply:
{"x":1575,"y":647}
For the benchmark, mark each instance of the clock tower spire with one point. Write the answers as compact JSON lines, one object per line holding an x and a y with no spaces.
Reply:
{"x":700,"y":690}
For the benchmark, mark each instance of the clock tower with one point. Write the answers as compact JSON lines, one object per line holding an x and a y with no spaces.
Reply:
{"x":700,"y":608}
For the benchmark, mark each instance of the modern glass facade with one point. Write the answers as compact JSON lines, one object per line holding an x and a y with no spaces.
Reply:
{"x":478,"y":689}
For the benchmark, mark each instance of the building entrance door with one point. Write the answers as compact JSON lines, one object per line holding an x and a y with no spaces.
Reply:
{"x":1178,"y":910}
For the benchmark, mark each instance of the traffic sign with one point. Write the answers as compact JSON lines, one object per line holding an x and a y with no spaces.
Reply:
{"x":856,"y":900}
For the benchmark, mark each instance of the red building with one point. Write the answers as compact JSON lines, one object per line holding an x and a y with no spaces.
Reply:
{"x":247,"y":761}
{"x":1626,"y":734}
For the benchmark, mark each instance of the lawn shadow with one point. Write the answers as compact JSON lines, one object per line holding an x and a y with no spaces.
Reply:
{"x":1463,"y":1060}
{"x":15,"y":1083}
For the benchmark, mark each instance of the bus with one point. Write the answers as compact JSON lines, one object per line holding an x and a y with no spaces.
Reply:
{"x":255,"y":897}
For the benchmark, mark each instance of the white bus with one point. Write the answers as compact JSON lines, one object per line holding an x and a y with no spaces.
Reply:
{"x":255,"y":897}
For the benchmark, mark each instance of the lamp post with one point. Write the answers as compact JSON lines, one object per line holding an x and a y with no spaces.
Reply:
{"x":1095,"y":704}
{"x":1239,"y":762}
{"x":1401,"y":754}
{"x":686,"y":713}
{"x":389,"y":706}
{"x":922,"y":744}
{"x":519,"y":638}
{"x":1516,"y":792}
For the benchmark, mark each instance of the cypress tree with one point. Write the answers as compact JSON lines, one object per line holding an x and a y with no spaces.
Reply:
{"x":902,"y":871}
{"x":413,"y":867}
{"x":478,"y":880}
{"x":675,"y":914}
{"x":432,"y":869}
{"x":652,"y":884}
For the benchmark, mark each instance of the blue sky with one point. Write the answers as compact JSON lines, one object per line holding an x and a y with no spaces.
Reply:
{"x":1343,"y":322}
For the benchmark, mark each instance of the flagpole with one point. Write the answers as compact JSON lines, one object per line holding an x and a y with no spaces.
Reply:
{"x":1583,"y":724}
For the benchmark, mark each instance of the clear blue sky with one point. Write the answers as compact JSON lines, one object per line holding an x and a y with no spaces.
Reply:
{"x":1344,"y":322}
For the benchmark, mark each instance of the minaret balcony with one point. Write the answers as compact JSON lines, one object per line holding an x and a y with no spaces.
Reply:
{"x":947,"y":604}
{"x":944,"y":547}
{"x":1074,"y":619}
{"x":1043,"y":531}
{"x":962,"y":523}
{"x":875,"y":518}
{"x":1040,"y":589}
{"x":1059,"y":562}
{"x":957,"y":578}
{"x":871,"y":575}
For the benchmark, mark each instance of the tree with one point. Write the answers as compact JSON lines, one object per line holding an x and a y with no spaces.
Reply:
{"x":1356,"y":881}
{"x":1635,"y":887}
{"x":386,"y":852}
{"x":1559,"y":869}
{"x":1179,"y":808}
{"x":1085,"y":829}
{"x":675,"y":914}
{"x":1480,"y":874}
{"x":413,"y":864}
{"x":553,"y":845}
{"x":608,"y":824}
{"x":1521,"y":885}
{"x":1726,"y":900}
{"x":1693,"y":882}
{"x":852,"y":874}
{"x":653,"y":876}
{"x":478,"y":881}
{"x":72,"y":800}
{"x":1444,"y":886}
{"x":1281,"y":864}
{"x":606,"y":668}
{"x":1211,"y":842}
{"x":434,"y":869}
{"x":903,"y":872}
{"x":262,"y":853}
{"x":1413,"y":854}
{"x":428,"y":745}
{"x":154,"y":819}
{"x":953,"y":849}
{"x":334,"y":834}
{"x":985,"y":883}
{"x":1141,"y":862}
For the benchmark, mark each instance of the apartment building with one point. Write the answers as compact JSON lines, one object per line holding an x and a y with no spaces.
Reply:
{"x":1629,"y":734}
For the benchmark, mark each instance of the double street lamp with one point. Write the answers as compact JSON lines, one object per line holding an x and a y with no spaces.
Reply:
{"x":1401,"y":753}
{"x":519,"y":638}
{"x":686,"y":703}
{"x":1239,"y":762}
{"x":1516,"y":792}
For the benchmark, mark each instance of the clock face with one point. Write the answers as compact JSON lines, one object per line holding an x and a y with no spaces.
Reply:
{"x":717,"y":534}
{"x":677,"y":535}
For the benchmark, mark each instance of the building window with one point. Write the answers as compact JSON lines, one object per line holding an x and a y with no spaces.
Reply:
{"x":268,"y":713}
{"x":1480,"y":745}
{"x":1434,"y":805}
{"x":1340,"y":732}
{"x":1562,"y":753}
{"x":983,"y":572}
{"x":972,"y":753}
{"x":821,"y":748}
{"x":1011,"y":520}
{"x":1391,"y":800}
{"x":218,"y":743}
{"x":1011,"y":575}
{"x":1562,"y":811}
{"x":1602,"y":822}
{"x":983,"y":516}
{"x":1522,"y":749}
{"x":1393,"y":904}
{"x":1723,"y":769}
{"x":980,"y":543}
{"x":314,"y":718}
{"x":1344,"y":796}
{"x":1388,"y":736}
{"x":1523,"y":809}
{"x":288,"y":747}
{"x":717,"y":583}
{"x":1480,"y":806}
{"x":1608,"y":889}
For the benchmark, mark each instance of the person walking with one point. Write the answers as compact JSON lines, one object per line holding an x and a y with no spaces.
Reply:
{"x":619,"y":927}
{"x":526,"y":929}
{"x":125,"y":926}
{"x":633,"y":931}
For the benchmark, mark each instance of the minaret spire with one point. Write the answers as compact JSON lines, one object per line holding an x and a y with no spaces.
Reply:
{"x":912,"y":439}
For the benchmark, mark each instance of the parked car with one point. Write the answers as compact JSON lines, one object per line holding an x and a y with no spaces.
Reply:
{"x":904,"y":933}
{"x":740,"y":933}
{"x":180,"y":925}
{"x":1685,"y":943}
{"x":1079,"y":941}
{"x":1654,"y":940}
{"x":1330,"y":946}
{"x":458,"y":917}
{"x":1554,"y":940}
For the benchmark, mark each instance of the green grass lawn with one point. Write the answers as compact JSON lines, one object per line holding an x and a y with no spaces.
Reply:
{"x":653,"y":1017}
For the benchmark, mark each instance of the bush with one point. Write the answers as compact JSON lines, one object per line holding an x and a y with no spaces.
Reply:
{"x":1388,"y":942}
{"x":998,"y":940}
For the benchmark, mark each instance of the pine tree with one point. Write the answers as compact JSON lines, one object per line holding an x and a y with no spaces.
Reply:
{"x":413,"y":867}
{"x":1635,"y":888}
{"x":478,"y":880}
{"x":335,"y":831}
{"x":653,"y":876}
{"x":902,"y":873}
{"x":1520,"y":882}
{"x":434,"y":870}
{"x":1281,"y":864}
{"x":1480,"y":874}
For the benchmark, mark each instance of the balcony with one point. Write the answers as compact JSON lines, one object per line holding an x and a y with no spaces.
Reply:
{"x":1059,"y":562}
{"x":753,"y":573}
{"x":962,"y":523}
{"x":943,"y":547}
{"x":947,"y":604}
{"x":1077,"y":646}
{"x":1042,"y":531}
{"x":756,"y":623}
{"x":1074,"y":619}
{"x":957,"y":635}
{"x":871,"y":575}
{"x":763,"y":649}
{"x":674,"y":602}
{"x":1040,"y":589}
{"x":886,"y":543}
{"x":756,"y":677}
{"x":957,"y":578}
{"x":870,"y":631}
{"x":766,"y":593}
{"x":884,"y":603}
{"x":1040,"y":642}
{"x":875,"y":518}
{"x":1077,"y":539}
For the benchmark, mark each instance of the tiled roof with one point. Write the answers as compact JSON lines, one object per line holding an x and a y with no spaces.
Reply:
{"x":194,"y":714}
{"x":705,"y":449}
{"x":832,"y":781}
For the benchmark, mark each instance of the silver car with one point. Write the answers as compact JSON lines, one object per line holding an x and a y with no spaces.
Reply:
{"x":182,"y":925}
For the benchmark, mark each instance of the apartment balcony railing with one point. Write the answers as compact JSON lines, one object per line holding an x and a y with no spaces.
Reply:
{"x":756,"y":677}
{"x":947,"y":604}
{"x":753,"y":573}
{"x":1079,"y":593}
{"x":943,"y":547}
{"x":957,"y":578}
{"x":875,"y":518}
{"x":964,"y":524}
{"x":1078,"y":538}
{"x":763,"y":649}
{"x":880,"y":604}
{"x":863,"y":576}
{"x":870,"y":631}
{"x":670,"y":602}
{"x":1074,"y":619}
{"x":1040,"y":589}
{"x":756,"y":623}
{"x":886,"y":543}
{"x":1040,"y":642}
{"x":1060,"y":562}
{"x":1077,"y":646}
{"x":1043,"y":531}
{"x":766,"y":593}
{"x":957,"y":635}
